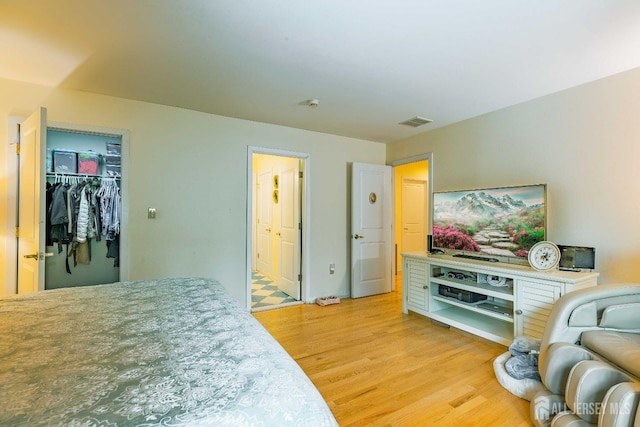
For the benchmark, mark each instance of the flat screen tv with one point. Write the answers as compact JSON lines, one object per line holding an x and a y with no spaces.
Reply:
{"x":496,"y":222}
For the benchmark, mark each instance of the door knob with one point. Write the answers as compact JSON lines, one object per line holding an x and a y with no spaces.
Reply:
{"x":39,"y":256}
{"x":268,"y":230}
{"x":358,"y":236}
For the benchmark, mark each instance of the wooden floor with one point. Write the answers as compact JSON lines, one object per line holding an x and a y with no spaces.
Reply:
{"x":378,"y":367}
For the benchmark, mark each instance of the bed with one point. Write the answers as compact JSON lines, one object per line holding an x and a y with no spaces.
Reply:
{"x":170,"y":352}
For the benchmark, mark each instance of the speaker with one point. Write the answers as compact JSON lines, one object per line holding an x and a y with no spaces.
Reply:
{"x":577,"y":257}
{"x":429,"y":243}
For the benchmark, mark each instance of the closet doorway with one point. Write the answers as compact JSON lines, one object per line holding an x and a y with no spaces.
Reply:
{"x":36,"y":163}
{"x":95,"y":185}
{"x":277,"y":197}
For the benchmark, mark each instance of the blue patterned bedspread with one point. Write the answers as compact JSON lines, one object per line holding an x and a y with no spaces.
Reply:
{"x":171,"y":352}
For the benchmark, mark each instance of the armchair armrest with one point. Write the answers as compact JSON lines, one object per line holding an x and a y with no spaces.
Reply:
{"x":581,"y":311}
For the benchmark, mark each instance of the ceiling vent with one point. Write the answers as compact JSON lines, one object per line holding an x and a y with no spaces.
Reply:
{"x":416,"y":121}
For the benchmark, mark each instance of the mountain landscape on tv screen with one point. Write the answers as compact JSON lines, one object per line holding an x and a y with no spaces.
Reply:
{"x":481,"y":222}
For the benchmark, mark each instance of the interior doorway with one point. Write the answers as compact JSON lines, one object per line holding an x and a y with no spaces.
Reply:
{"x":98,"y":175}
{"x":412,"y":194}
{"x":39,"y":164}
{"x":277,"y":196}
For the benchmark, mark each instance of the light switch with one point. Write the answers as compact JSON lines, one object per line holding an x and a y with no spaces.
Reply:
{"x":332,"y":268}
{"x":151,"y":214}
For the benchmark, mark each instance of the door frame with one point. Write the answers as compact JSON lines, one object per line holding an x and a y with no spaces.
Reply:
{"x":413,"y":159}
{"x":305,"y":215}
{"x":12,"y":199}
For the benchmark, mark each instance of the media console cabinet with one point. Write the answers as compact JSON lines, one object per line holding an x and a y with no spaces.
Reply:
{"x":496,"y":301}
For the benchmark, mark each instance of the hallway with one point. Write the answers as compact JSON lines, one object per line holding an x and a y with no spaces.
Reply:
{"x":265,"y":293}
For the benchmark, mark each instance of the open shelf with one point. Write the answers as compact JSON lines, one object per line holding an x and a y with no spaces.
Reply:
{"x":505,"y":293}
{"x":478,"y":324}
{"x":521,"y":306}
{"x":506,"y":316}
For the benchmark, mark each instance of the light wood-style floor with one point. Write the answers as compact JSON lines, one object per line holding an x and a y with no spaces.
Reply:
{"x":378,"y":367}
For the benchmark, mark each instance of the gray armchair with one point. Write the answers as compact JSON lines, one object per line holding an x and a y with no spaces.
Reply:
{"x":589,"y":359}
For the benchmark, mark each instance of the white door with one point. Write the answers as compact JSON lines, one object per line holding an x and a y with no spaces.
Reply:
{"x":263,"y":257}
{"x":414,"y":215}
{"x":371,"y":238}
{"x":31,"y":203}
{"x":289,"y":230}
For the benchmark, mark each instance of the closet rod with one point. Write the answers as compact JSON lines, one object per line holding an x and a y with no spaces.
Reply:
{"x":81,"y":175}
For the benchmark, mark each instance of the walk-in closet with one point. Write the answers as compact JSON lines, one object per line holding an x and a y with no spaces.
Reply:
{"x":84,"y":208}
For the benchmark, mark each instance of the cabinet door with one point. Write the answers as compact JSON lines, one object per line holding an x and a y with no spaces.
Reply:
{"x":534,"y":301}
{"x":417,"y":285}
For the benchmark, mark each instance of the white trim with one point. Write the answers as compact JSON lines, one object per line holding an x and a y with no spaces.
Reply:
{"x":305,"y":215}
{"x":11,"y":254}
{"x":414,"y":159}
{"x":404,"y":161}
{"x":12,"y":198}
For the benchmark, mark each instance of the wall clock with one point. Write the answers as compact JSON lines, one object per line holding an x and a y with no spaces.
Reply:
{"x":544,"y":256}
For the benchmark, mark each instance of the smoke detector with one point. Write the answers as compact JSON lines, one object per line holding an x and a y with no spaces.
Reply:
{"x":416,"y":121}
{"x":313,"y":103}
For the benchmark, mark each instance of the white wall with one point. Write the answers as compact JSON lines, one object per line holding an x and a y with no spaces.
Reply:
{"x":191,"y":167}
{"x":583,"y":142}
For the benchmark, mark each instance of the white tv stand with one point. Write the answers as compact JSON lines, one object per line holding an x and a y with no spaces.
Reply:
{"x":520,"y":308}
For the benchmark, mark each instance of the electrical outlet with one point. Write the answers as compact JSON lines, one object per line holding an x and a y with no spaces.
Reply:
{"x":151,"y":213}
{"x":332,"y":268}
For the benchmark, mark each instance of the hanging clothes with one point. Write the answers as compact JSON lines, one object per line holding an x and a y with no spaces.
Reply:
{"x":80,"y":209}
{"x":73,"y":207}
{"x":109,"y":196}
{"x":48,"y":201}
{"x":83,"y":247}
{"x":83,"y":215}
{"x":58,"y":215}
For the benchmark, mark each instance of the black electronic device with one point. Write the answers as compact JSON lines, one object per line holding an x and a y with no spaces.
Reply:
{"x":430,"y":248}
{"x":496,"y":308}
{"x":575,"y":258}
{"x":477,"y":258}
{"x":460,"y":294}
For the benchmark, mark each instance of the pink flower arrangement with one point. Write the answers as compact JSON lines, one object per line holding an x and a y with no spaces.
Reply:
{"x":454,"y":238}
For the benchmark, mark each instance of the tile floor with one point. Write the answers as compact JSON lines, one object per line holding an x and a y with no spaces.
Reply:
{"x":265,"y":293}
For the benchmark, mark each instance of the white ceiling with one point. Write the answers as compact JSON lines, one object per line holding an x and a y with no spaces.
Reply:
{"x":370,"y":63}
